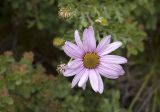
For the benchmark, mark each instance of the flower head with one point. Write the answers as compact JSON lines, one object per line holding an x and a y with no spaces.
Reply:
{"x":91,"y":61}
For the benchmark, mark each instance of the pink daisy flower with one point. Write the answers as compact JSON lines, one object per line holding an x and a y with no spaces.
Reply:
{"x":91,"y":61}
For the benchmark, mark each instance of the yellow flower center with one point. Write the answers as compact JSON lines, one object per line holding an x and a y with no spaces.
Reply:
{"x":90,"y":60}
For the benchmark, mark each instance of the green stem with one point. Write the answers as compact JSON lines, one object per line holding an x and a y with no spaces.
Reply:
{"x":98,"y":37}
{"x":154,"y":101}
{"x":141,"y":88}
{"x":96,"y":10}
{"x":89,"y":19}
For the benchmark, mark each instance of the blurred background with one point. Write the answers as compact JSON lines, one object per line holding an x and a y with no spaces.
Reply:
{"x":32,"y":33}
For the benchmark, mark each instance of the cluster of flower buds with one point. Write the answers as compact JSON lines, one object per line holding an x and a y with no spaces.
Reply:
{"x":58,"y":41}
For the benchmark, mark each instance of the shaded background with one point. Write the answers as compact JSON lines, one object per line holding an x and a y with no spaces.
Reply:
{"x":32,"y":33}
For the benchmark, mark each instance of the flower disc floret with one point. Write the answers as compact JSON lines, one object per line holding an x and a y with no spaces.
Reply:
{"x":90,"y":60}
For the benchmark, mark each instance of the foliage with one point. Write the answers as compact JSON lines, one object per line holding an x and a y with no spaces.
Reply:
{"x":26,"y":88}
{"x":122,"y":25}
{"x":30,"y":83}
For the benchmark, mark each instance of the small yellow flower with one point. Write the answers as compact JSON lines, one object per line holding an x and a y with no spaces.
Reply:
{"x":102,"y":21}
{"x":58,"y":41}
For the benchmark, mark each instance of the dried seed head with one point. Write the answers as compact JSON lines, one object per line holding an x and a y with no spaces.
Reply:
{"x":60,"y":68}
{"x":65,"y":12}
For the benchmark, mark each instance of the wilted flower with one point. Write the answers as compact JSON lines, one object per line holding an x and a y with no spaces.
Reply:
{"x":102,"y":21}
{"x":61,"y":68}
{"x":91,"y":61}
{"x":65,"y":12}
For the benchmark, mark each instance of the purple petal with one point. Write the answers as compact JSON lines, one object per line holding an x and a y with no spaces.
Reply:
{"x":83,"y":79}
{"x":78,"y":39}
{"x":70,"y":72}
{"x":73,"y":50}
{"x":89,"y":40}
{"x":70,"y":54}
{"x":74,"y":64}
{"x":113,"y":59}
{"x":111,"y":74}
{"x":115,"y":67}
{"x":93,"y":80}
{"x":111,"y":47}
{"x":77,"y":78}
{"x":100,"y":84}
{"x":103,"y":43}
